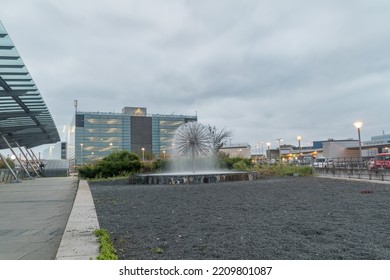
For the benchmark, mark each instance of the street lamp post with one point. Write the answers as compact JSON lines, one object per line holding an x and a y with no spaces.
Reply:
{"x":143,"y":153}
{"x":260,"y":146}
{"x":81,"y":153}
{"x":299,"y":138}
{"x":269,"y":151}
{"x":280,"y":152}
{"x":299,"y":143}
{"x":359,"y":125}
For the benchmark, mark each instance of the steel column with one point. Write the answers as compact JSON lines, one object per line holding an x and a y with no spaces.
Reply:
{"x":28,"y":161}
{"x":37,"y":167}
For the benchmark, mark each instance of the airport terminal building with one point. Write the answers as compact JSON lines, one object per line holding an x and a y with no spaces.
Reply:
{"x":93,"y":135}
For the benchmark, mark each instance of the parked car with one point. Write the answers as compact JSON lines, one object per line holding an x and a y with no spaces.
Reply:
{"x":322,"y":162}
{"x":382,"y":160}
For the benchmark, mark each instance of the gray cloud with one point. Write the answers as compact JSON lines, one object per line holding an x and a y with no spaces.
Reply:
{"x":265,"y":69}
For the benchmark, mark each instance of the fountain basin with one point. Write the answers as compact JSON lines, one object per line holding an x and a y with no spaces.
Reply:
{"x":191,"y":178}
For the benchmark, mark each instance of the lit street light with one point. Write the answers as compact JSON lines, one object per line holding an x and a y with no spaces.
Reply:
{"x":359,"y":125}
{"x":143,"y":153}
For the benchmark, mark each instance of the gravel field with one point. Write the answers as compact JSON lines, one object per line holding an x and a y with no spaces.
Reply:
{"x":291,"y":218}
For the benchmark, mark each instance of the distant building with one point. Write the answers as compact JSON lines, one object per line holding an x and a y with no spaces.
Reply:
{"x":340,"y":148}
{"x":384,"y":138}
{"x":381,"y":141}
{"x":242,"y":150}
{"x":95,"y":135}
{"x":55,"y":151}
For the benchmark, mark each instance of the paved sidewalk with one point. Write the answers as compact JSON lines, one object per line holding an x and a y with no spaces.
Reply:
{"x":33,"y":216}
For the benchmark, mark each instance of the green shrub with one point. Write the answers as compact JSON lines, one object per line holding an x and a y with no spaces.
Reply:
{"x":147,"y":167}
{"x":225,"y":162}
{"x":241,"y":165}
{"x":283,"y":170}
{"x":160,"y":165}
{"x":119,"y":163}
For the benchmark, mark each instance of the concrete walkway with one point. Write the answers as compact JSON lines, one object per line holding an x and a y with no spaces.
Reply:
{"x":78,"y":241}
{"x":33,"y":215}
{"x":46,"y":219}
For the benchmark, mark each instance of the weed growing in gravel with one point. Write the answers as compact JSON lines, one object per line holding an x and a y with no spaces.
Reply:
{"x":107,"y":251}
{"x":157,"y":250}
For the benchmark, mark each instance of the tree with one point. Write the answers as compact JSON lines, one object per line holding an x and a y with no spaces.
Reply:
{"x":10,"y":162}
{"x":218,"y":136}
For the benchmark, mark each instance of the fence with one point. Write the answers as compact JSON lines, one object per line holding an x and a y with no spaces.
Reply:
{"x":352,"y":168}
{"x":5,"y":176}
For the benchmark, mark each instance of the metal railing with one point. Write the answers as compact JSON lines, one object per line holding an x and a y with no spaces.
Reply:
{"x":5,"y":176}
{"x":352,"y":168}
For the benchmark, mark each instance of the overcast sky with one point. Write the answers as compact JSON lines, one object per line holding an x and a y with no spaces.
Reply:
{"x":265,"y":69}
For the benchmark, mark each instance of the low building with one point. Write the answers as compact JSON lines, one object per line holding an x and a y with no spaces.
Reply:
{"x":242,"y":150}
{"x":340,"y":148}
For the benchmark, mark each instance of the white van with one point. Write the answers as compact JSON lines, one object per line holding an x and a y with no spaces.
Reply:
{"x":323,"y":162}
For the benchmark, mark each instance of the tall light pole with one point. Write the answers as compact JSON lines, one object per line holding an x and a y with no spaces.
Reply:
{"x":260,"y":145}
{"x":299,"y":138}
{"x":81,"y":153}
{"x":269,"y":151}
{"x":75,"y":104}
{"x":359,"y":125}
{"x":280,"y":152}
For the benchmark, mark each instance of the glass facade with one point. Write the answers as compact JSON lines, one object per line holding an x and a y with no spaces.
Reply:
{"x":163,"y":130}
{"x":98,"y":134}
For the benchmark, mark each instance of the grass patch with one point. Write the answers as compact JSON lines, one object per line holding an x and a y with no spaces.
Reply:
{"x":109,"y":180}
{"x":107,"y":250}
{"x":283,"y":170}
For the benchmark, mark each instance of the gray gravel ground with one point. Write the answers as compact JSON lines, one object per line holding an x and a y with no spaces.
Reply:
{"x":292,"y":218}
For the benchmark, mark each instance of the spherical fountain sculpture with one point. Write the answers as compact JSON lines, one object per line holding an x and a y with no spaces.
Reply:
{"x":193,"y":160}
{"x":192,"y":140}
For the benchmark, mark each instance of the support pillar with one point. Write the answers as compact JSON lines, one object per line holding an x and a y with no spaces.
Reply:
{"x":35,"y":157}
{"x":37,"y":168}
{"x":28,"y":161}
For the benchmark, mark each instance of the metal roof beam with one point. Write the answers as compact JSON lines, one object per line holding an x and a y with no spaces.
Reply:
{"x":7,"y":130}
{"x":6,"y":47}
{"x":11,"y":65}
{"x":15,"y":92}
{"x":17,"y":80}
{"x":14,"y":73}
{"x":10,"y":115}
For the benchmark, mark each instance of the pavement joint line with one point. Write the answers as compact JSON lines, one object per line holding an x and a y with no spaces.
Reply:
{"x":77,"y":233}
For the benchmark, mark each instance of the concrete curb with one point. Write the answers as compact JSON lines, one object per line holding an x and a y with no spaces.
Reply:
{"x":355,"y":179}
{"x":78,"y":241}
